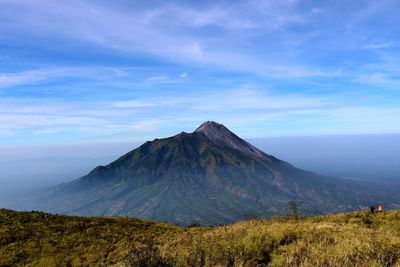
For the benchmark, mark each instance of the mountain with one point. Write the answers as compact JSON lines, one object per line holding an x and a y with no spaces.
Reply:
{"x":209,"y":176}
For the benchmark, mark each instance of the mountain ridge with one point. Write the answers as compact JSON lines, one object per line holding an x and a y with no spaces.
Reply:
{"x":223,"y":137}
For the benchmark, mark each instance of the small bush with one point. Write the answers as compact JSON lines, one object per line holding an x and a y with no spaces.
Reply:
{"x":145,"y":255}
{"x":367,"y":219}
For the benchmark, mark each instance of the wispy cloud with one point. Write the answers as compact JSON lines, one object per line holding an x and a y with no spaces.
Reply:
{"x":129,"y":69}
{"x":115,"y":75}
{"x":380,"y":45}
{"x":157,"y":78}
{"x":182,"y":39}
{"x":381,"y":79}
{"x":254,"y":36}
{"x":30,"y":77}
{"x":233,"y":100}
{"x":144,"y":118}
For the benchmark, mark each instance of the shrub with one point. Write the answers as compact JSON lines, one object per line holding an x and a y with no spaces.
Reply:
{"x":145,"y":255}
{"x":194,"y":224}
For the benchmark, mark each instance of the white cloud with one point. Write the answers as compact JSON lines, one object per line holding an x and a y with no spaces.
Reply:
{"x":380,"y":45}
{"x":28,"y":77}
{"x":317,"y":10}
{"x":144,"y":125}
{"x":54,"y":117}
{"x":111,"y":75}
{"x":150,"y":117}
{"x":266,"y":38}
{"x":180,"y":39}
{"x":136,"y":103}
{"x":157,"y":78}
{"x":228,"y":100}
{"x":380,"y":79}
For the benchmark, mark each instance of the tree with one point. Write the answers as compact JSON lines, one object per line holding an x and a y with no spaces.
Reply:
{"x":293,"y":208}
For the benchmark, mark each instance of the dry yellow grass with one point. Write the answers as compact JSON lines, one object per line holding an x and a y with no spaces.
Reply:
{"x":354,"y":239}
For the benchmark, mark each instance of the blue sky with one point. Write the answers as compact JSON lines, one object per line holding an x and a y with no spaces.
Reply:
{"x":106,"y":71}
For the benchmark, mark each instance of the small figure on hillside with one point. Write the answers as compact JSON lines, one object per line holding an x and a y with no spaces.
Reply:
{"x":372,"y":209}
{"x":380,"y":208}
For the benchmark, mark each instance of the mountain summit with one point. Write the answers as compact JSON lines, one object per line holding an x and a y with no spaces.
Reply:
{"x":221,"y":136}
{"x":210,"y":176}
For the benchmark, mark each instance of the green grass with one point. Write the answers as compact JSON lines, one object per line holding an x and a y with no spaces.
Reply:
{"x":353,"y":239}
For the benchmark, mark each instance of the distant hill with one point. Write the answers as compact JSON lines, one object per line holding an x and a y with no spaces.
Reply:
{"x":354,"y":239}
{"x":210,"y":176}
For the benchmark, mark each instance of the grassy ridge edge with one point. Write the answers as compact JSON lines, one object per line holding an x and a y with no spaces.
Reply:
{"x":351,"y":239}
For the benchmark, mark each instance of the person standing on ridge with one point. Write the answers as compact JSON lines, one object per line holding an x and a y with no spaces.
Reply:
{"x":380,"y":208}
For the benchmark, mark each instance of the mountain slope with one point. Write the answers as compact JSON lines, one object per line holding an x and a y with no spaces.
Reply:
{"x":209,"y":176}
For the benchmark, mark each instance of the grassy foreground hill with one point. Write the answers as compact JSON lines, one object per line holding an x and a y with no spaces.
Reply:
{"x":353,"y":239}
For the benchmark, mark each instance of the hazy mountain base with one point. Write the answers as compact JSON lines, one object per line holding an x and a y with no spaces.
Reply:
{"x":354,"y":239}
